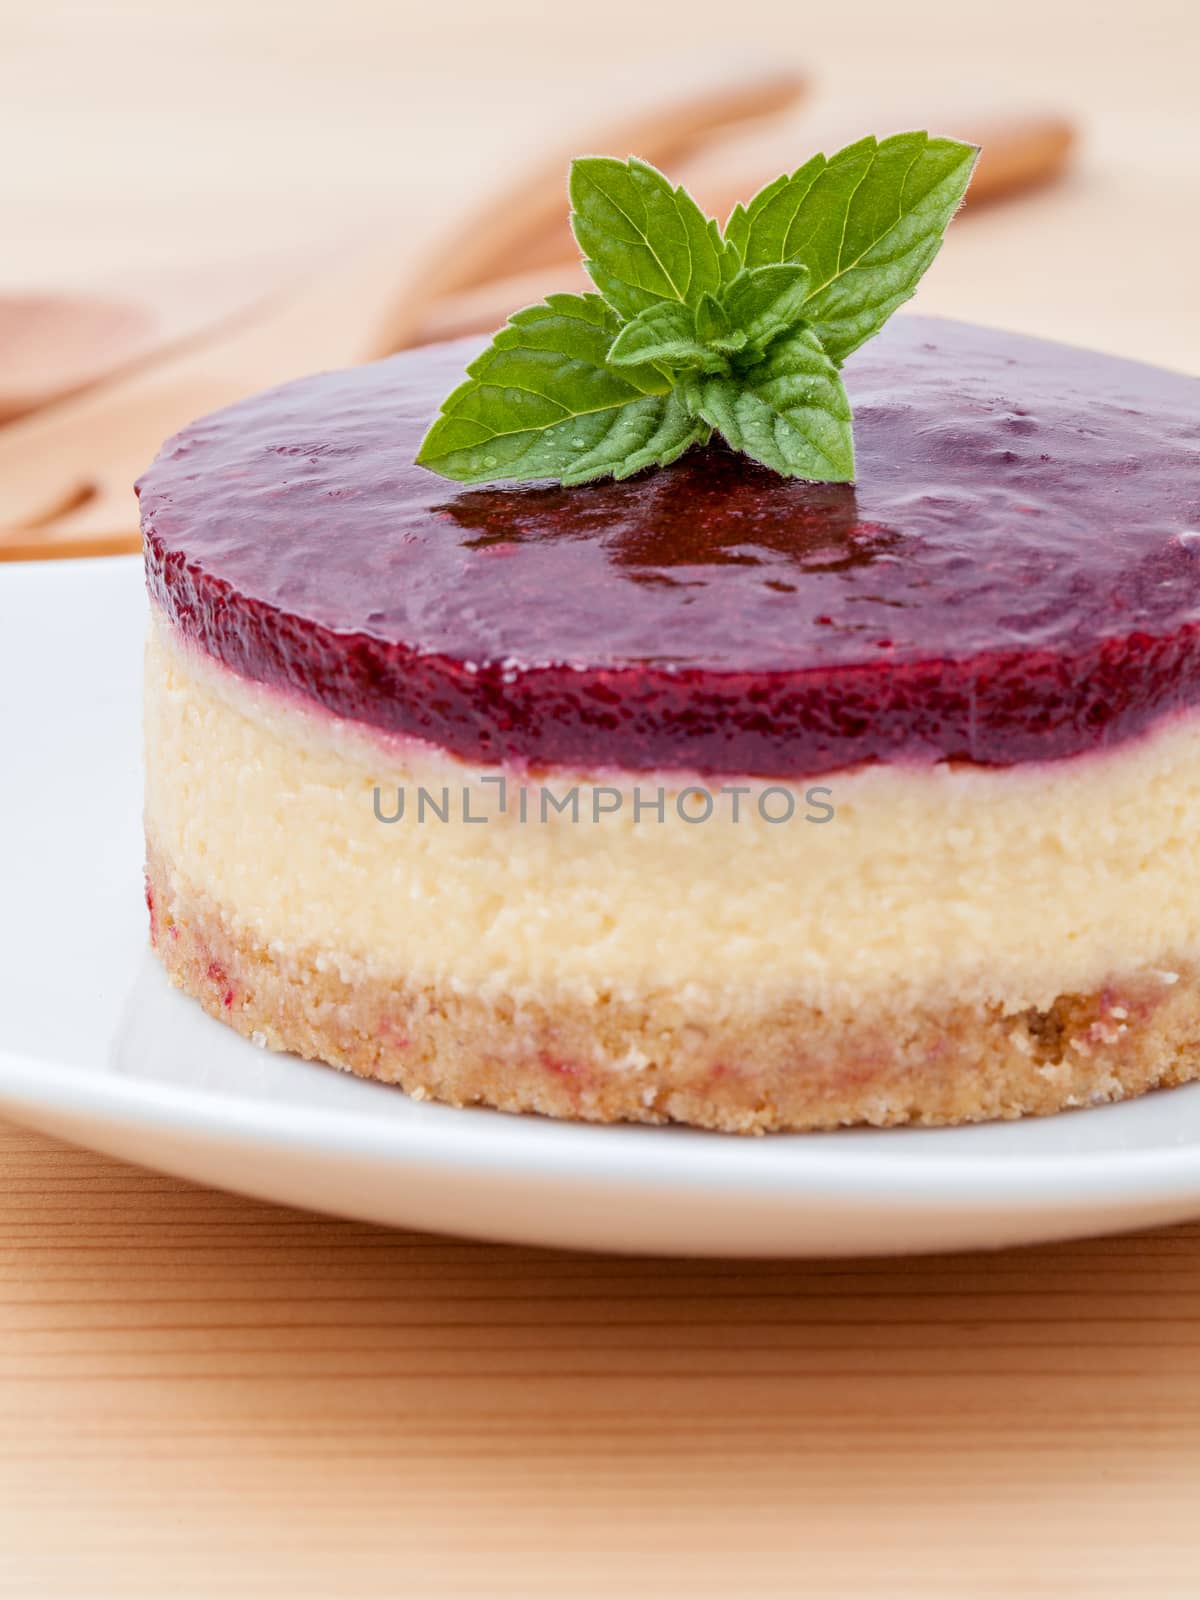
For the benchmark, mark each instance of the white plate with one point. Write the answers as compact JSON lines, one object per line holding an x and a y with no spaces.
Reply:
{"x":96,"y":1046}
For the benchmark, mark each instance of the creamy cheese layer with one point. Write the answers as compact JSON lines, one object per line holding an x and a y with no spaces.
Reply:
{"x":1011,"y":885}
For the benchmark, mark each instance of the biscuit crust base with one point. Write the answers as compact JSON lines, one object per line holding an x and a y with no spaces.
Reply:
{"x":789,"y":1066}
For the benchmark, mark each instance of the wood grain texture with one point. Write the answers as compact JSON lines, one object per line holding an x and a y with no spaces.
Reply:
{"x":204,"y":1395}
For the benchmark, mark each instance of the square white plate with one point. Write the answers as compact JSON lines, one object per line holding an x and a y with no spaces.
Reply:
{"x":97,"y":1047}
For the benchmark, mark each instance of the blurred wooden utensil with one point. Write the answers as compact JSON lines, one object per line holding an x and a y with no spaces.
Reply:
{"x":1019,"y":152}
{"x":53,"y":344}
{"x":57,"y":344}
{"x":509,"y":232}
{"x":66,"y":472}
{"x":1019,"y":149}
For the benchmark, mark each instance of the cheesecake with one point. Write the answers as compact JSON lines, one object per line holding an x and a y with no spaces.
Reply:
{"x":707,"y":796}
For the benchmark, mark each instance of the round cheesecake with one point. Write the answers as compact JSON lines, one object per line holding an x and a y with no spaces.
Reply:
{"x":707,"y":796}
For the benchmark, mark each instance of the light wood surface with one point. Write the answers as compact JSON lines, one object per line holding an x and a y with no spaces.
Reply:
{"x":200,"y":1395}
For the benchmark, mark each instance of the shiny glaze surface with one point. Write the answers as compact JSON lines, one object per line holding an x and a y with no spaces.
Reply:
{"x":1015,"y":576}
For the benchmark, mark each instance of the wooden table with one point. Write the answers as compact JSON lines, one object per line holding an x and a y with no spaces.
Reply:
{"x":200,"y":1394}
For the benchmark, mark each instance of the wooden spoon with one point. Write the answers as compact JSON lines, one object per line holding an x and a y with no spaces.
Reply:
{"x":1019,"y":151}
{"x":54,"y":345}
{"x":66,"y":472}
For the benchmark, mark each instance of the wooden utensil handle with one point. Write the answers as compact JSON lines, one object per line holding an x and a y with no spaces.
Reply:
{"x":1019,"y":152}
{"x":523,"y":227}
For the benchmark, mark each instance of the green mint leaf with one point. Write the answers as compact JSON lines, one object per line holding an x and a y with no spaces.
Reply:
{"x":664,"y":334}
{"x":866,"y":223}
{"x":541,"y":402}
{"x":758,"y":230}
{"x":644,"y":241}
{"x":789,"y":411}
{"x":712,"y":320}
{"x":765,"y":302}
{"x":694,"y":331}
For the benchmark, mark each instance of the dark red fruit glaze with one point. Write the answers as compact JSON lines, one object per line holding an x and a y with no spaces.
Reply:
{"x":1015,"y":577}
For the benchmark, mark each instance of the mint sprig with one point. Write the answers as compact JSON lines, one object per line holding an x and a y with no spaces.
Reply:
{"x":694,"y":330}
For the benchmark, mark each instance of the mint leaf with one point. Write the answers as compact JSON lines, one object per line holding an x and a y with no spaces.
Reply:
{"x":643,"y":241}
{"x":693,"y":330}
{"x":541,"y":402}
{"x":758,"y":230}
{"x":789,"y":411}
{"x":712,"y":321}
{"x":665,"y":334}
{"x":764,"y":302}
{"x":866,"y":223}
